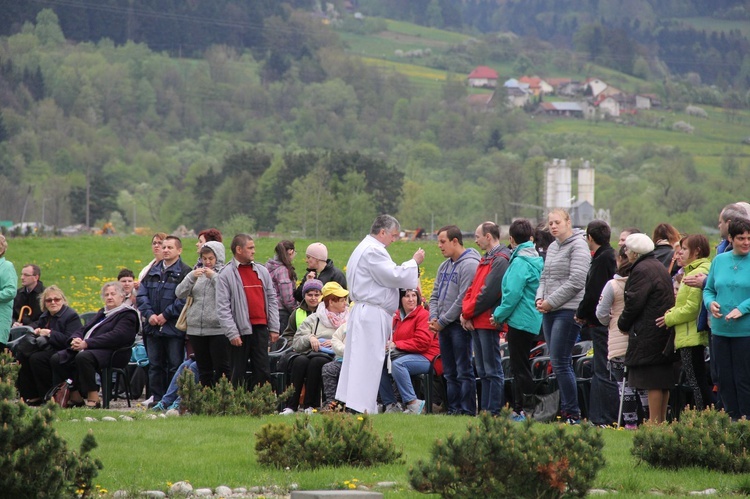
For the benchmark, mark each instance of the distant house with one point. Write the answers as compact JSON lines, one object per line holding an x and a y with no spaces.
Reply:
{"x":608,"y":105}
{"x":569,"y":89}
{"x":647,"y":101}
{"x":518,"y":93}
{"x":480,"y":102}
{"x":484,"y":77}
{"x":581,"y":213}
{"x":558,"y":84}
{"x":593,"y":87}
{"x":537,"y":85}
{"x":573,"y":109}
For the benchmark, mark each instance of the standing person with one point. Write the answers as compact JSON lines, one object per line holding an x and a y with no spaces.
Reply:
{"x":625,"y":233}
{"x":319,"y":267}
{"x":205,"y":236}
{"x":454,"y":277}
{"x":210,"y":344}
{"x":665,"y":239}
{"x":157,"y":241}
{"x":27,"y":296}
{"x":648,"y":295}
{"x":284,"y":278}
{"x":248,"y":312}
{"x":689,"y":341}
{"x":603,"y":400}
{"x":608,"y":312}
{"x":483,"y":295}
{"x":374,"y":280}
{"x":160,"y":308}
{"x":8,"y":280}
{"x":517,"y":309}
{"x":559,"y":294}
{"x":726,"y":297}
{"x":126,"y":277}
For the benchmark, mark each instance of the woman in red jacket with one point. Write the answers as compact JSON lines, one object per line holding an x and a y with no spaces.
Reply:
{"x":411,"y":349}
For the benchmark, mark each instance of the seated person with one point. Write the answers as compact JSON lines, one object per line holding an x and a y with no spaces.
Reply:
{"x":57,"y":324}
{"x":312,"y":343}
{"x":26,"y":307}
{"x":332,"y":370}
{"x":90,"y":349}
{"x":410,"y":351}
{"x":171,"y":399}
{"x":311,"y":298}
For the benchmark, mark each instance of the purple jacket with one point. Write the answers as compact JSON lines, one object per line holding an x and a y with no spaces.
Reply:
{"x":116,"y":331}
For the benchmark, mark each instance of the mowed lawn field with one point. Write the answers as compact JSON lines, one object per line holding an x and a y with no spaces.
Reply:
{"x":81,"y":265}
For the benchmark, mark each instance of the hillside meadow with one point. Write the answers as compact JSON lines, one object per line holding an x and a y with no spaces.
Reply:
{"x":81,"y":265}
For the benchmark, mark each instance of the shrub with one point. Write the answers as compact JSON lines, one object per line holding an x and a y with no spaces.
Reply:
{"x":334,"y":439}
{"x":707,"y":439}
{"x":34,"y":459}
{"x":502,"y":459}
{"x":224,"y":400}
{"x":8,"y":368}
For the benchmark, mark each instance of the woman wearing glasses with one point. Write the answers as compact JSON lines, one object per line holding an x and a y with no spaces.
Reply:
{"x":56,"y":325}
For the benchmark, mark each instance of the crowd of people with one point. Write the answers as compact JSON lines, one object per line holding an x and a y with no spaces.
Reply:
{"x":356,"y":339}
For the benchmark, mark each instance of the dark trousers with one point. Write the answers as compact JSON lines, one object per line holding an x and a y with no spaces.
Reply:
{"x":165,"y":354}
{"x":694,"y":367}
{"x":307,"y":372}
{"x":255,"y":349}
{"x":732,"y":358}
{"x":604,"y":400}
{"x":212,"y":356}
{"x":35,"y":374}
{"x":82,"y":370}
{"x":519,"y":347}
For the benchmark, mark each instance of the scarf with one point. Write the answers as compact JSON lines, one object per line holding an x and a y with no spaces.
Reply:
{"x":330,"y":319}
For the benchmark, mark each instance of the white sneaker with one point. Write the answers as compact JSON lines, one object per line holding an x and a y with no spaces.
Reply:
{"x":393,"y":408}
{"x":309,"y":410}
{"x":148,"y":401}
{"x":415,"y":407}
{"x":286,"y":412}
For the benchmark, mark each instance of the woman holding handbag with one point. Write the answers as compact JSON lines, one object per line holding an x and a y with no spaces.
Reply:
{"x":210,"y":344}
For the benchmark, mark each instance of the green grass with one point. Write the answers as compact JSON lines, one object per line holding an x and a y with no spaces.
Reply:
{"x":146,"y":454}
{"x":81,"y":265}
{"x":710,"y":24}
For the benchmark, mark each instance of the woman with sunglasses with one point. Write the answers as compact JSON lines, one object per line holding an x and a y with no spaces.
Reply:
{"x":56,"y":325}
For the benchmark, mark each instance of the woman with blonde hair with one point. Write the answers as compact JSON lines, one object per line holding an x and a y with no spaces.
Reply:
{"x":56,"y":325}
{"x":558,"y":296}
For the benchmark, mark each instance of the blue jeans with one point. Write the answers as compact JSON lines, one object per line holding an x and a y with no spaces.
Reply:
{"x":171,"y":395}
{"x":402,"y":369}
{"x":165,"y":354}
{"x":560,"y":333}
{"x":455,"y":351}
{"x":489,"y":369}
{"x":732,"y":358}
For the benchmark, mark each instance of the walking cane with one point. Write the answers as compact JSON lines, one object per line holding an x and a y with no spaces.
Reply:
{"x":24,"y":310}
{"x":622,"y":395}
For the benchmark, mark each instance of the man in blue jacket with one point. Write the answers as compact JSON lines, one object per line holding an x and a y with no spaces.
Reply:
{"x":160,"y":308}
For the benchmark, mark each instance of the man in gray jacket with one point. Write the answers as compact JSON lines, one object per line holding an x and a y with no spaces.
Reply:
{"x":454,"y":277}
{"x":248,"y":311}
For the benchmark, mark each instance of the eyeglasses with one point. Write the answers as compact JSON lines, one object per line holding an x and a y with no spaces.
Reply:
{"x":52,"y":300}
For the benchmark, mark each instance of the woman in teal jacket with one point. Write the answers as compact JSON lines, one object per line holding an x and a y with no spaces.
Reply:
{"x":8,"y":282}
{"x":691,"y":343}
{"x":518,"y":310}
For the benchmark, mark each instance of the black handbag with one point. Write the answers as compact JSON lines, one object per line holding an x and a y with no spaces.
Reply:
{"x":28,"y":344}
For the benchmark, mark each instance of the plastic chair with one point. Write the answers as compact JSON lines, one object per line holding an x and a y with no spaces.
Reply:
{"x":18,"y":331}
{"x":277,"y":349}
{"x":584,"y":371}
{"x":86,"y":317}
{"x":109,"y":386}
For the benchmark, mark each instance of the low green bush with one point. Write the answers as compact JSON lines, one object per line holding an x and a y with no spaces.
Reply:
{"x":707,"y":439}
{"x":224,"y":400}
{"x":8,"y":367}
{"x":334,"y":439}
{"x":34,"y":459}
{"x":499,"y":458}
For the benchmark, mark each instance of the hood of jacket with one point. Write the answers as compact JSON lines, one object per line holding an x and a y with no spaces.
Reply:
{"x":527,"y":251}
{"x":219,"y":251}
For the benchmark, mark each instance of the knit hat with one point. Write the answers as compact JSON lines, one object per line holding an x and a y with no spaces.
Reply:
{"x":318,"y":251}
{"x":311,"y":284}
{"x":639,"y":243}
{"x":335,"y":289}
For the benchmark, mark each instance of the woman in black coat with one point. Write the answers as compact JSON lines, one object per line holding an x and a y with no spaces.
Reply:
{"x":648,"y":295}
{"x":56,"y":325}
{"x":90,"y":348}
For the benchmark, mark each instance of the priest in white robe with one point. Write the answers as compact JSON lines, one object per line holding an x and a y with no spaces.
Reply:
{"x":373,"y":280}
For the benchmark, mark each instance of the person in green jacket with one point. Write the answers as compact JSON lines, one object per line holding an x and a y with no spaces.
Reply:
{"x":8,"y":281}
{"x":518,"y":310}
{"x":691,"y":343}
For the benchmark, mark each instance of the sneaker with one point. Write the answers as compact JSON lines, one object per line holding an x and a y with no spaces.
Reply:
{"x":572,"y":420}
{"x":148,"y":401}
{"x":309,"y":411}
{"x":631,"y":426}
{"x":175,"y":406}
{"x":159,"y":407}
{"x":286,"y":412}
{"x":415,"y":407}
{"x":518,"y":417}
{"x":393,"y":408}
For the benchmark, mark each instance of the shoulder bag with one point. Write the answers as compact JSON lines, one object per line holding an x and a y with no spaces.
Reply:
{"x":181,"y":323}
